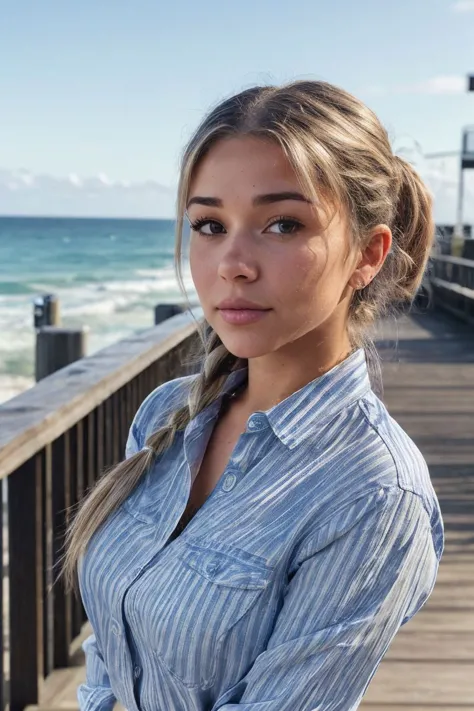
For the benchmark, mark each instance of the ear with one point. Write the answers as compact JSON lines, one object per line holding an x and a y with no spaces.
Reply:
{"x":373,"y":256}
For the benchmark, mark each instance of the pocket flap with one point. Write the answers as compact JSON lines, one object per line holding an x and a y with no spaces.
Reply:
{"x":224,"y":568}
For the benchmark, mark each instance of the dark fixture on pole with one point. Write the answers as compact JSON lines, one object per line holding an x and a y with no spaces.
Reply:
{"x":466,"y":162}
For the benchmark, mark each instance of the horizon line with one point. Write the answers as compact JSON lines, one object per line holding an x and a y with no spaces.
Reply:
{"x":83,"y":217}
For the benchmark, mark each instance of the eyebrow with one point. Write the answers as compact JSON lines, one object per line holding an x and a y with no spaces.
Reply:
{"x":258,"y":200}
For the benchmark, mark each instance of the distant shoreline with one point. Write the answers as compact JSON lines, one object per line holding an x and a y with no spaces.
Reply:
{"x":87,"y":218}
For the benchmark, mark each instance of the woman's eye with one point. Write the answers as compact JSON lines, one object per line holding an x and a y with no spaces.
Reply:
{"x":207,"y":227}
{"x":285,"y":227}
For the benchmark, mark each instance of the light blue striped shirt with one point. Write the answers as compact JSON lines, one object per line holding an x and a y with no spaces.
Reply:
{"x":322,"y":537}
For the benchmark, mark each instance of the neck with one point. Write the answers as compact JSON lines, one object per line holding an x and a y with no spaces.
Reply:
{"x":275,"y":376}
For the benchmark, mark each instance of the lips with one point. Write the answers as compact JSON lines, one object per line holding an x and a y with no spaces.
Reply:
{"x":241,"y":317}
{"x":240,"y":305}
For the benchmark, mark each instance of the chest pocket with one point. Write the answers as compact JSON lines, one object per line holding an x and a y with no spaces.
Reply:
{"x":215,"y":591}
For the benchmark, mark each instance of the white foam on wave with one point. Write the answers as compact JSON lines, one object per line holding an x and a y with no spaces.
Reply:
{"x":13,"y":385}
{"x":111,"y":310}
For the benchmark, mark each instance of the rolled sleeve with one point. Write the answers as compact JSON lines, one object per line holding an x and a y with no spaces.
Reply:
{"x":342,"y":608}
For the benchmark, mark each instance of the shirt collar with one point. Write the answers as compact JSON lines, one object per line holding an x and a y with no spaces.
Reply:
{"x":315,"y":404}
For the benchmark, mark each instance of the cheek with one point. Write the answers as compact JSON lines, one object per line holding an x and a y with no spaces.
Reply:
{"x":299,"y":277}
{"x":308,"y":285}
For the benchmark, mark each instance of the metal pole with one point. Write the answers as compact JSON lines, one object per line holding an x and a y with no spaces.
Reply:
{"x":459,"y":231}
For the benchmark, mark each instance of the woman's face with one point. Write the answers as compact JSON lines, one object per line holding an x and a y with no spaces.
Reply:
{"x":255,"y":236}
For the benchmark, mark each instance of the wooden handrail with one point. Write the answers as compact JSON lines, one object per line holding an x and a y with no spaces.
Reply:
{"x":56,"y":439}
{"x":36,"y":417}
{"x":453,"y":260}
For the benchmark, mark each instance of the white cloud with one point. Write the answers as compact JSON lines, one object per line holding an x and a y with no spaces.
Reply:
{"x":449,"y":84}
{"x":23,"y":193}
{"x":104,"y":179}
{"x":463,"y":6}
{"x":75,"y":180}
{"x":442,"y":84}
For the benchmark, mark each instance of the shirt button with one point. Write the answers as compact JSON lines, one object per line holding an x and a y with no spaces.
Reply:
{"x":257,"y":422}
{"x":136,"y":672}
{"x":229,"y":482}
{"x":116,"y":629}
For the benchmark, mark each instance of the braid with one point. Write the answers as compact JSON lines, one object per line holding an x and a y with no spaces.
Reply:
{"x":116,"y":483}
{"x":217,"y":364}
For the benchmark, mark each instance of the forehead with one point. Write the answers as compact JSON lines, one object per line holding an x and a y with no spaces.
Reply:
{"x":252,"y":163}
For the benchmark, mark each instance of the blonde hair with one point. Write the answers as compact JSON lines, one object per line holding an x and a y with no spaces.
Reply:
{"x":337,"y":145}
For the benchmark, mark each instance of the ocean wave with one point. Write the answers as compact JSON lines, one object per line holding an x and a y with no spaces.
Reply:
{"x":11,"y":386}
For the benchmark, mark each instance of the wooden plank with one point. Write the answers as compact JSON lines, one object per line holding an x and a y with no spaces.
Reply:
{"x":89,"y":451}
{"x":77,"y":491}
{"x":413,"y":707}
{"x":108,"y":432}
{"x":25,"y":584}
{"x":48,"y":602}
{"x":453,"y":260}
{"x":61,"y":499}
{"x":432,"y":645}
{"x":2,"y":616}
{"x":430,"y":663}
{"x":423,"y":683}
{"x":452,"y":596}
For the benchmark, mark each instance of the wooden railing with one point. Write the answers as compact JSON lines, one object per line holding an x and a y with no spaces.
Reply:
{"x":451,"y":282}
{"x":55,"y":440}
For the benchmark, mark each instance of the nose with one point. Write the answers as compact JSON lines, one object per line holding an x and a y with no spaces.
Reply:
{"x":237,"y":259}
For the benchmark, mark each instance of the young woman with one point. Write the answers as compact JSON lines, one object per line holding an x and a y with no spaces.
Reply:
{"x":271,"y":526}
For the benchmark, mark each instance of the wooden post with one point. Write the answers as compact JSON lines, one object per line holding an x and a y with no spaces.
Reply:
{"x":165,"y":311}
{"x":58,"y":347}
{"x":25,"y":583}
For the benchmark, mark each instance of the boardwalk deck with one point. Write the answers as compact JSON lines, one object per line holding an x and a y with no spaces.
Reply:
{"x":429,"y":389}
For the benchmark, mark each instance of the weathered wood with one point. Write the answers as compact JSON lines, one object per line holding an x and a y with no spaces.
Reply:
{"x":89,"y":451}
{"x":448,"y":259}
{"x":432,"y":645}
{"x":48,"y":578}
{"x":430,"y":664}
{"x":108,"y":431}
{"x":25,"y":584}
{"x":61,"y":500}
{"x":58,"y":347}
{"x":2,"y":631}
{"x":165,"y":311}
{"x":99,"y":441}
{"x":76,"y":443}
{"x":29,"y":421}
{"x":428,"y":683}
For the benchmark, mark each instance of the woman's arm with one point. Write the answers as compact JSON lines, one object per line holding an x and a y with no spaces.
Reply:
{"x":95,"y":694}
{"x":341,"y":610}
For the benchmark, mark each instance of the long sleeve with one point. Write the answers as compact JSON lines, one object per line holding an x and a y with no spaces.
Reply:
{"x":341,"y":609}
{"x":96,"y":693}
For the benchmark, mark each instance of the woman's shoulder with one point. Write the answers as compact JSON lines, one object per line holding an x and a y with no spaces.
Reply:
{"x":410,"y":466}
{"x":158,"y":405}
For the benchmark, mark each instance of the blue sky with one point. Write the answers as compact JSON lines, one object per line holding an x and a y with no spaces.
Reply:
{"x":105,"y":92}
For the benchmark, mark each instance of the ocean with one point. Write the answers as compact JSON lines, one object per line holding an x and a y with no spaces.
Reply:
{"x":107,"y":273}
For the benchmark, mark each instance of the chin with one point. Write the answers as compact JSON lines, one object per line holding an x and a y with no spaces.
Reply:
{"x":246,"y":345}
